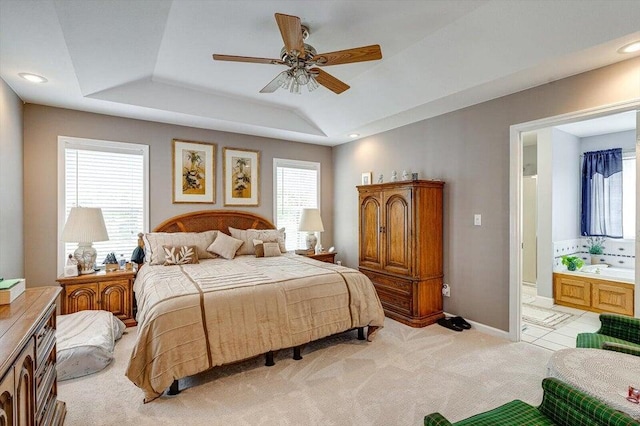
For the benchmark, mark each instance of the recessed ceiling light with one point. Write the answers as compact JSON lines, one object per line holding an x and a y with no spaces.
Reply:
{"x":34,"y":78}
{"x":630,"y":48}
{"x":354,"y":135}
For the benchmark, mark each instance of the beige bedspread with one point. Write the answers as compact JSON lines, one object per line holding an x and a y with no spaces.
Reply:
{"x":194,"y":317}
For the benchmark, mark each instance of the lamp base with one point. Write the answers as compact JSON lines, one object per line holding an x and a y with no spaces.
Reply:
{"x":312,"y":241}
{"x":85,"y":254}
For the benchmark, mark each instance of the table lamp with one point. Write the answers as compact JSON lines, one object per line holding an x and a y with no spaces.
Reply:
{"x":84,"y":226}
{"x":311,"y":222}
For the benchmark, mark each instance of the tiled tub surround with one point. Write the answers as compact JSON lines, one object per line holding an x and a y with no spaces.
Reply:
{"x":617,"y":253}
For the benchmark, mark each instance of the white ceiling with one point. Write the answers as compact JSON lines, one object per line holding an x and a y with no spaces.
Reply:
{"x":151,"y":59}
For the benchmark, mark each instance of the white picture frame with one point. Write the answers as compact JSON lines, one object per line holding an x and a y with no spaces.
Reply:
{"x":366,"y":178}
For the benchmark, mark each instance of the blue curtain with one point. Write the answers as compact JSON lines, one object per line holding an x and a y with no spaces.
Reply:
{"x":602,"y":193}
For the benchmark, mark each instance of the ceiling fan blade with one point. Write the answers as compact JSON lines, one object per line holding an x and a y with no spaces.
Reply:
{"x":357,"y":54}
{"x":275,"y":83}
{"x":291,"y":31}
{"x":247,"y":59}
{"x":329,"y":81}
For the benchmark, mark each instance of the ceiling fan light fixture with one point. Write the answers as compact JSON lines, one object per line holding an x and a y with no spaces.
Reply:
{"x":312,"y":84}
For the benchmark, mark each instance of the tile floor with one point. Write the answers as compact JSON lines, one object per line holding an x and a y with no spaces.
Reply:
{"x":563,"y":336}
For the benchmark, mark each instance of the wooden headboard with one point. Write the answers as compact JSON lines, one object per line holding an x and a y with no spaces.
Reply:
{"x":220,"y":220}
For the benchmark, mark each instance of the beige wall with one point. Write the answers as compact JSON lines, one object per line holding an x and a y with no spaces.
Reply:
{"x":43,"y":125}
{"x":469,"y":150}
{"x":11,"y":199}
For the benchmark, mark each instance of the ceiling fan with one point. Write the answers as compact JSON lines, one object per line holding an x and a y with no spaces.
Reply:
{"x":302,"y":60}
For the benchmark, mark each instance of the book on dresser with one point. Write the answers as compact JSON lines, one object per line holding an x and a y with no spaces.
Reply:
{"x":11,"y":289}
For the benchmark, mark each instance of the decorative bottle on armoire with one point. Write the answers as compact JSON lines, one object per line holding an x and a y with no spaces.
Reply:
{"x":400,"y":247}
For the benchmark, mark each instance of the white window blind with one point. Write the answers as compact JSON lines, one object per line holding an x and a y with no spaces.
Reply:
{"x":297,"y":185}
{"x":112,"y":176}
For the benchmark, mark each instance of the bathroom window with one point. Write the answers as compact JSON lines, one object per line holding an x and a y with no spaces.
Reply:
{"x":629,"y":196}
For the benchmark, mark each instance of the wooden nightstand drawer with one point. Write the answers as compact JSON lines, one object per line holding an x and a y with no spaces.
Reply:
{"x":111,"y":292}
{"x":323,"y":257}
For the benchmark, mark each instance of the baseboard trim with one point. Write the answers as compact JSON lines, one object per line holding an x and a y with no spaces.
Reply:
{"x":545,"y":302}
{"x":487,"y":329}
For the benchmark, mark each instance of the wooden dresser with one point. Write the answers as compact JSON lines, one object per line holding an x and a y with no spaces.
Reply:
{"x":400,"y":228}
{"x":28,"y":382}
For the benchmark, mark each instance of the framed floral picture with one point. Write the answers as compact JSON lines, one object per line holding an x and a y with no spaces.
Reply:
{"x":241,"y":176}
{"x":194,"y":172}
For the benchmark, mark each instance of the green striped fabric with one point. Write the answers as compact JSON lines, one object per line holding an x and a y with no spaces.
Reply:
{"x":565,"y":405}
{"x":617,"y":332}
{"x":624,"y":348}
{"x":512,"y":413}
{"x":621,"y":327}
{"x":561,"y":405}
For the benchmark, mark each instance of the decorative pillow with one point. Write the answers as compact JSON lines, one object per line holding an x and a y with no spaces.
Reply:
{"x":155,"y":241}
{"x":241,"y":234}
{"x":225,"y":246}
{"x":180,"y":255}
{"x":266,"y":249}
{"x":268,"y":236}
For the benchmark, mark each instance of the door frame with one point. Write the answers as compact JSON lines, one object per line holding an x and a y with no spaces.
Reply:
{"x":515,"y":198}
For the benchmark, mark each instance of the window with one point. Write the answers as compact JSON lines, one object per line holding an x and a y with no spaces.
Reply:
{"x":296,"y":186}
{"x":109,"y":175}
{"x":629,"y":195}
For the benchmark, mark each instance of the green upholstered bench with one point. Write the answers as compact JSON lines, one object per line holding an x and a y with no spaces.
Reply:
{"x":617,"y":333}
{"x":561,"y":405}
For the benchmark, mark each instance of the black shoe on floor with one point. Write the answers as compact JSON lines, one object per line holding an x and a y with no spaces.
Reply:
{"x":460,"y":322}
{"x":447,"y":323}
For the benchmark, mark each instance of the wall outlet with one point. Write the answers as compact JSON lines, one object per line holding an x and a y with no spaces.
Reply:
{"x":446,"y":290}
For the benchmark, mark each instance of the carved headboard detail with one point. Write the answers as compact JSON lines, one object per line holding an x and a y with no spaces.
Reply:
{"x":220,"y":220}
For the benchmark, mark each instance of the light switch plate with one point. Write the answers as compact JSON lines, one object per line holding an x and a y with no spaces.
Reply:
{"x":477,"y":219}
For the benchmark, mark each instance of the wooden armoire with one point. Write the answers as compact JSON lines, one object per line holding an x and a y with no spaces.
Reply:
{"x":400,"y":228}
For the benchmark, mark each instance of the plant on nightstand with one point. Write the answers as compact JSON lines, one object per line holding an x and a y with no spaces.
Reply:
{"x":572,"y":263}
{"x":596,"y":246}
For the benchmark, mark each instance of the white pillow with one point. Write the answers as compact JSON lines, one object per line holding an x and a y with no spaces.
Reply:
{"x":247,"y":245}
{"x":225,"y":246}
{"x":155,"y":241}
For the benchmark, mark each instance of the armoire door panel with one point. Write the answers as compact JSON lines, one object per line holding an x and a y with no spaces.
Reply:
{"x":370,"y":231}
{"x":397,"y":231}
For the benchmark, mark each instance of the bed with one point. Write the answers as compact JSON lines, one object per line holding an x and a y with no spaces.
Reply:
{"x":194,"y":317}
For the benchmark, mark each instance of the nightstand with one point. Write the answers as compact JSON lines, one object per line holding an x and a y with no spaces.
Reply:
{"x":111,"y":292}
{"x":323,"y":257}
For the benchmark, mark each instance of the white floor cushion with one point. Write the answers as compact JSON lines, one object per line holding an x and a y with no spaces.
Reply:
{"x":85,"y":342}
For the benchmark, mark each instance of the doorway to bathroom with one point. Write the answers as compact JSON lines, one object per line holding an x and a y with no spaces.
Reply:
{"x":545,"y":194}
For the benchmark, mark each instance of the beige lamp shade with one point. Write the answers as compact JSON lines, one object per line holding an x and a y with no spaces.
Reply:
{"x":84,"y":226}
{"x":310,"y":221}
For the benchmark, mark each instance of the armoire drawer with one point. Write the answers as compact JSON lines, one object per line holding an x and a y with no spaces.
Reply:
{"x":389,"y":283}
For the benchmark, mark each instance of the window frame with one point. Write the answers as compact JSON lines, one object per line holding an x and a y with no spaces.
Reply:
{"x":70,"y":142}
{"x":298,"y":164}
{"x":629,"y":156}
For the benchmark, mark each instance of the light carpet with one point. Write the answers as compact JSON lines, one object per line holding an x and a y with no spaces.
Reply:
{"x":543,"y":316}
{"x":404,"y":374}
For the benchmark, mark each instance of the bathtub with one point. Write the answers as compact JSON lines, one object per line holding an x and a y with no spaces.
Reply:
{"x":624,"y":275}
{"x":596,"y":288}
